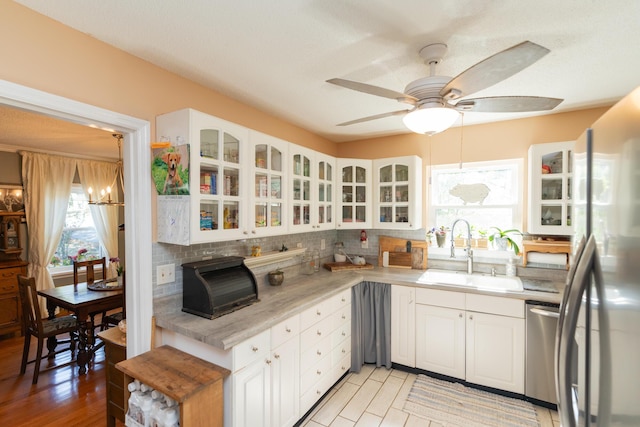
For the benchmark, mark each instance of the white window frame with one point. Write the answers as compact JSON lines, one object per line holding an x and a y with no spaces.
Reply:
{"x":67,"y":270}
{"x":517,"y":207}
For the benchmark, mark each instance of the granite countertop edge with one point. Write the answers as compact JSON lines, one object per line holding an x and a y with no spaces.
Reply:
{"x":277,"y":303}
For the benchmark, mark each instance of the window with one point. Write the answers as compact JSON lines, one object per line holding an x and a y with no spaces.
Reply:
{"x":79,"y":233}
{"x":486,"y":194}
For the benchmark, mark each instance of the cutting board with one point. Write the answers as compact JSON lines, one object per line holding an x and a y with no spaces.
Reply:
{"x":343,"y":266}
{"x":399,"y":256}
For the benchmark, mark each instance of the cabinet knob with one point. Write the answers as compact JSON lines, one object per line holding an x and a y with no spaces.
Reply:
{"x":254,"y":348}
{"x":268,"y":362}
{"x":287,"y":329}
{"x":344,"y":351}
{"x":253,"y":231}
{"x":460,"y":315}
{"x":245,"y":232}
{"x":344,"y":299}
{"x":344,"y":317}
{"x":344,"y":334}
{"x":318,"y":392}
{"x":319,"y":353}
{"x":319,"y":313}
{"x":277,"y":356}
{"x":319,"y":372}
{"x":319,"y":332}
{"x":471,"y":317}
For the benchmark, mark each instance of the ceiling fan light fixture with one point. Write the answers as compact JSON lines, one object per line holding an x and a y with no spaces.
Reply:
{"x":430,"y":120}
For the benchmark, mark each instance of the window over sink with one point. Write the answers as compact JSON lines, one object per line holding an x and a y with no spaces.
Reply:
{"x":486,"y":194}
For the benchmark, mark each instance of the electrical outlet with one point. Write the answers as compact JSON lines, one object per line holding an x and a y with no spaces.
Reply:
{"x":298,"y":245}
{"x":364,"y":244}
{"x":322,"y":245}
{"x":166,"y":274}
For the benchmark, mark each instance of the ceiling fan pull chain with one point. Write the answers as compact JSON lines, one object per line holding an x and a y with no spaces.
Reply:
{"x":461,"y":136}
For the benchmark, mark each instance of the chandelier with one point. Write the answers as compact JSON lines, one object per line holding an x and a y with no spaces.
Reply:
{"x":104,"y":198}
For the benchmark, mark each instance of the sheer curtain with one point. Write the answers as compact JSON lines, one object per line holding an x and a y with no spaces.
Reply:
{"x":47,"y":186}
{"x":98,"y":175}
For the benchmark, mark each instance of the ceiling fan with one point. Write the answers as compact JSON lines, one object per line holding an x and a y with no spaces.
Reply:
{"x":436,"y":100}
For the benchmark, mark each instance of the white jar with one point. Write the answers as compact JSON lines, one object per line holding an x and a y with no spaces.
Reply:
{"x":511,"y":267}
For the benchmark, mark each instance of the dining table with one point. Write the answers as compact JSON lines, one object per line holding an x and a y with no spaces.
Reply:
{"x":84,"y":302}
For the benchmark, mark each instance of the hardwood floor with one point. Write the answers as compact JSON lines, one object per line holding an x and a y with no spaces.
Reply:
{"x":61,"y":397}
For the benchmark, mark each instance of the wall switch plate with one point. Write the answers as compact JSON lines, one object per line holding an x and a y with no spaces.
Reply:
{"x":166,"y":274}
{"x":322,"y":245}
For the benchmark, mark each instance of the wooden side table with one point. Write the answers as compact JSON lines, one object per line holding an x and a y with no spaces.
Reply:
{"x":195,"y":384}
{"x":549,"y":247}
{"x":115,"y":347}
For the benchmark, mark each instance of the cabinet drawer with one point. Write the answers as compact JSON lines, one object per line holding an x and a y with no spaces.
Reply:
{"x":342,"y":315}
{"x":340,"y":352}
{"x":315,"y":354}
{"x":341,"y":333}
{"x":311,"y":336}
{"x":341,"y":367}
{"x":440,"y":298}
{"x":284,"y":331}
{"x":315,"y":374}
{"x":495,"y":305}
{"x":254,"y":348}
{"x":9,"y":286}
{"x":314,"y":314}
{"x":340,"y":300}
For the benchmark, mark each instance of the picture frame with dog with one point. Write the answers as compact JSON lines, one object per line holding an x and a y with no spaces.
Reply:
{"x":170,"y":170}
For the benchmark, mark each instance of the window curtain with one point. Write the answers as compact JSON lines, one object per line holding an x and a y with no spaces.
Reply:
{"x":370,"y":325}
{"x":47,"y":187}
{"x":98,"y":175}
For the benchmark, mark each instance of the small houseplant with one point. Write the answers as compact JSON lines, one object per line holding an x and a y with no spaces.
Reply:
{"x":503,"y":239}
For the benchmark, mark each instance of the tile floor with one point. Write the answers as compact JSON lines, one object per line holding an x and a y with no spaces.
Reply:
{"x":375,"y":397}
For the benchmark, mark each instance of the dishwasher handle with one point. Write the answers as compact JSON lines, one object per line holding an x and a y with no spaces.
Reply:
{"x":542,"y":312}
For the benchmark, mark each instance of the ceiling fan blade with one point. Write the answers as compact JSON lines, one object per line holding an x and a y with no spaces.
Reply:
{"x":374,"y":90}
{"x":493,"y":69}
{"x":377,"y":116}
{"x":508,"y":104}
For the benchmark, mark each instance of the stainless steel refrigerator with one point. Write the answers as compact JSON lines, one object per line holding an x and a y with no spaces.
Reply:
{"x":598,"y":336}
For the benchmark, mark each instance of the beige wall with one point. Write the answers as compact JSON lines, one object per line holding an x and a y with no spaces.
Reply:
{"x":43,"y":54}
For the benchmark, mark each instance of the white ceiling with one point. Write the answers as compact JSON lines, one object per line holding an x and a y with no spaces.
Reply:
{"x":277,"y":55}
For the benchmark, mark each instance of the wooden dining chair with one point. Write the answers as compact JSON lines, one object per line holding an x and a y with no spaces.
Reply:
{"x":88,"y":265}
{"x":35,"y":326}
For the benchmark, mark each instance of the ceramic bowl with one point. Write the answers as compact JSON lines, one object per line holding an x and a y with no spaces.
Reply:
{"x":339,"y":257}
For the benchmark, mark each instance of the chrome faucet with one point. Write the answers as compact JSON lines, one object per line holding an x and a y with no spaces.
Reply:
{"x":469,"y":250}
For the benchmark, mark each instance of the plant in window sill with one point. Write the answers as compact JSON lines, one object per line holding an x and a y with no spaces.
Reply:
{"x":81,"y":256}
{"x":503,"y":239}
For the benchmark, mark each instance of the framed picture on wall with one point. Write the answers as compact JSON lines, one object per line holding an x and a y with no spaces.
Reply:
{"x":11,"y":199}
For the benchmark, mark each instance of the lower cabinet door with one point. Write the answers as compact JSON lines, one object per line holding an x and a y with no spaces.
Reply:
{"x":403,"y":323}
{"x":285,"y":384}
{"x":252,"y":395}
{"x":440,"y":340}
{"x":495,"y":351}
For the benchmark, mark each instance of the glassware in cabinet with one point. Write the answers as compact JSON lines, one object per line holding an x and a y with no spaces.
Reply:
{"x":398,"y":189}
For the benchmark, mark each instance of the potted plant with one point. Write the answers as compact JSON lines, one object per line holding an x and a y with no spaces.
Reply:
{"x":276,"y":277}
{"x":440,"y":233}
{"x":503,"y":240}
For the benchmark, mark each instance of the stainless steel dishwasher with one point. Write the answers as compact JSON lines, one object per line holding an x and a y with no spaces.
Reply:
{"x":542,"y":322}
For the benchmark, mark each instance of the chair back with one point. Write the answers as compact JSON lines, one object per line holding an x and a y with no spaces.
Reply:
{"x":89,"y":264}
{"x":31,"y":314}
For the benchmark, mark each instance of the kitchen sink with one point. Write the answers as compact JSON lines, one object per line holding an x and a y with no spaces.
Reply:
{"x":475,"y":280}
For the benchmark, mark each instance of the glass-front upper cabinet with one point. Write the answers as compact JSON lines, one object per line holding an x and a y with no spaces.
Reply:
{"x":550,"y":198}
{"x":324,"y":196}
{"x":354,"y":193}
{"x":216,"y":204}
{"x":269,"y":182}
{"x":397,"y":194}
{"x":302,"y":168}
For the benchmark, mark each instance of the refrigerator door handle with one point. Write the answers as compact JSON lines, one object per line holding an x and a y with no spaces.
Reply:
{"x":565,"y":350}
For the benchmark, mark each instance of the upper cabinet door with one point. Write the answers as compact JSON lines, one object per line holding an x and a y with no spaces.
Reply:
{"x":398,"y":193}
{"x":325,"y":195}
{"x":269,"y":182}
{"x":354,"y":193}
{"x":550,"y":199}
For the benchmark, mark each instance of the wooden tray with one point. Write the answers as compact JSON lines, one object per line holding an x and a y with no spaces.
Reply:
{"x":343,"y":266}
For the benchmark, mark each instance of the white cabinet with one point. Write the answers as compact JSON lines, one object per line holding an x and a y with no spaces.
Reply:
{"x":550,"y":198}
{"x":311,"y":201}
{"x":398,"y":193}
{"x":285,"y":372}
{"x":268,"y":180}
{"x":354,"y":193}
{"x":474,"y":337}
{"x":403,"y":324}
{"x":215,"y":209}
{"x":495,"y":351}
{"x":440,"y":340}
